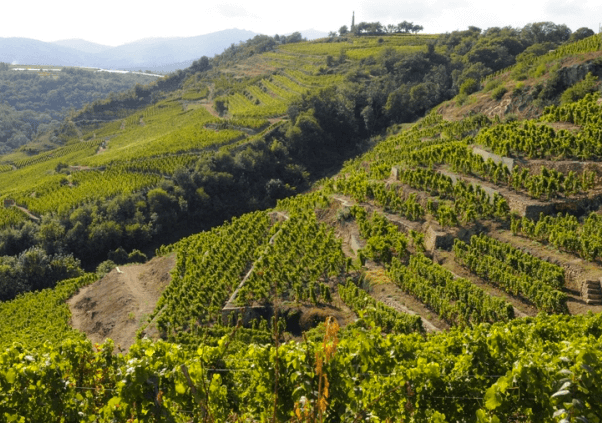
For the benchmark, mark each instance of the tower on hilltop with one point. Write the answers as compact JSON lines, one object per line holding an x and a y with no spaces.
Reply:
{"x":353,"y":20}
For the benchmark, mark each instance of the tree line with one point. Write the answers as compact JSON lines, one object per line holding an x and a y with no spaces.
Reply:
{"x":376,"y":28}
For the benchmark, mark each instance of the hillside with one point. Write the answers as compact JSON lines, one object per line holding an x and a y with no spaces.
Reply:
{"x":34,"y":100}
{"x":406,"y":236}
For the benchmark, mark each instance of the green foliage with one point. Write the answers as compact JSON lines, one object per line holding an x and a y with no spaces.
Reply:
{"x":105,"y":267}
{"x":468,"y":87}
{"x":207,"y":271}
{"x":539,"y":70}
{"x":37,"y":318}
{"x":535,"y":140}
{"x":390,"y":320}
{"x":137,"y":256}
{"x":499,"y":92}
{"x":155,"y":380}
{"x":492,"y":84}
{"x":514,"y":272}
{"x":585,"y":45}
{"x":519,"y":88}
{"x":11,"y":217}
{"x":566,"y":233}
{"x":36,"y":102}
{"x":34,"y":269}
{"x":447,"y":296}
{"x":300,"y":253}
{"x":383,"y":241}
{"x":188,"y":170}
{"x":579,"y":90}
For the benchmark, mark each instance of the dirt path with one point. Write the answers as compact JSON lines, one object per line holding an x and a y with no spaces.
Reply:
{"x":394,"y":297}
{"x":210,"y":109}
{"x":277,"y":119}
{"x":28,"y":213}
{"x":118,"y":305}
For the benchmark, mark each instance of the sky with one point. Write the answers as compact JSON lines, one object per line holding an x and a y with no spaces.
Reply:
{"x":116,"y":22}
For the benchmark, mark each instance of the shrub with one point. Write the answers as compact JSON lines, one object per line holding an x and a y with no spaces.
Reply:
{"x":119,"y":256}
{"x":580,"y":89}
{"x":136,"y":256}
{"x":461,"y":99}
{"x":492,"y":84}
{"x":520,"y":72}
{"x":519,"y":89}
{"x":499,"y":92}
{"x":539,"y":70}
{"x":105,"y":267}
{"x":469,"y":86}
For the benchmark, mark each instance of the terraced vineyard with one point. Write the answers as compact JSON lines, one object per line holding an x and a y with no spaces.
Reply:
{"x":359,"y":48}
{"x":450,"y":272}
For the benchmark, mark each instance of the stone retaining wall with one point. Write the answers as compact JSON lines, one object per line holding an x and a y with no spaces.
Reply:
{"x":497,"y":159}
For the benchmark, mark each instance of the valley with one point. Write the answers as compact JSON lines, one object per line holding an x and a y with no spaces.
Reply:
{"x":355,"y":228}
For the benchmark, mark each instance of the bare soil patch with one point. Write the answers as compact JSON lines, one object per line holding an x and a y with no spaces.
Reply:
{"x":119,"y":304}
{"x":210,"y":109}
{"x":394,"y":297}
{"x":303,"y":317}
{"x":482,"y":102}
{"x":28,"y":213}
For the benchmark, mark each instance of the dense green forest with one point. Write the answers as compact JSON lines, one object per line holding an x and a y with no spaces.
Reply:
{"x":366,"y":227}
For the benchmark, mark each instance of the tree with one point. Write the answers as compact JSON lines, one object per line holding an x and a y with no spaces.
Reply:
{"x":535,"y":50}
{"x":405,"y":26}
{"x":51,"y":235}
{"x":200,"y":65}
{"x":580,"y":34}
{"x":295,"y":37}
{"x":343,"y":30}
{"x":220,"y":106}
{"x":541,"y":32}
{"x":416,"y":28}
{"x":492,"y":56}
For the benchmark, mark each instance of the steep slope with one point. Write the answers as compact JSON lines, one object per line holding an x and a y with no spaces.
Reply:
{"x":144,"y":165}
{"x":485,"y":231}
{"x":117,"y":306}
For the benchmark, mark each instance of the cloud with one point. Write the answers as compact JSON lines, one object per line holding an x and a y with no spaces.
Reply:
{"x":562,"y":8}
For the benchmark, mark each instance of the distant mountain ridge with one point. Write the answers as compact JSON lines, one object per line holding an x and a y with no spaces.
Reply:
{"x":82,"y":45}
{"x":149,"y":53}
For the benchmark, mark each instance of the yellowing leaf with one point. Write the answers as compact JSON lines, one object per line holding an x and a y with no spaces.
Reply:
{"x":180,"y":388}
